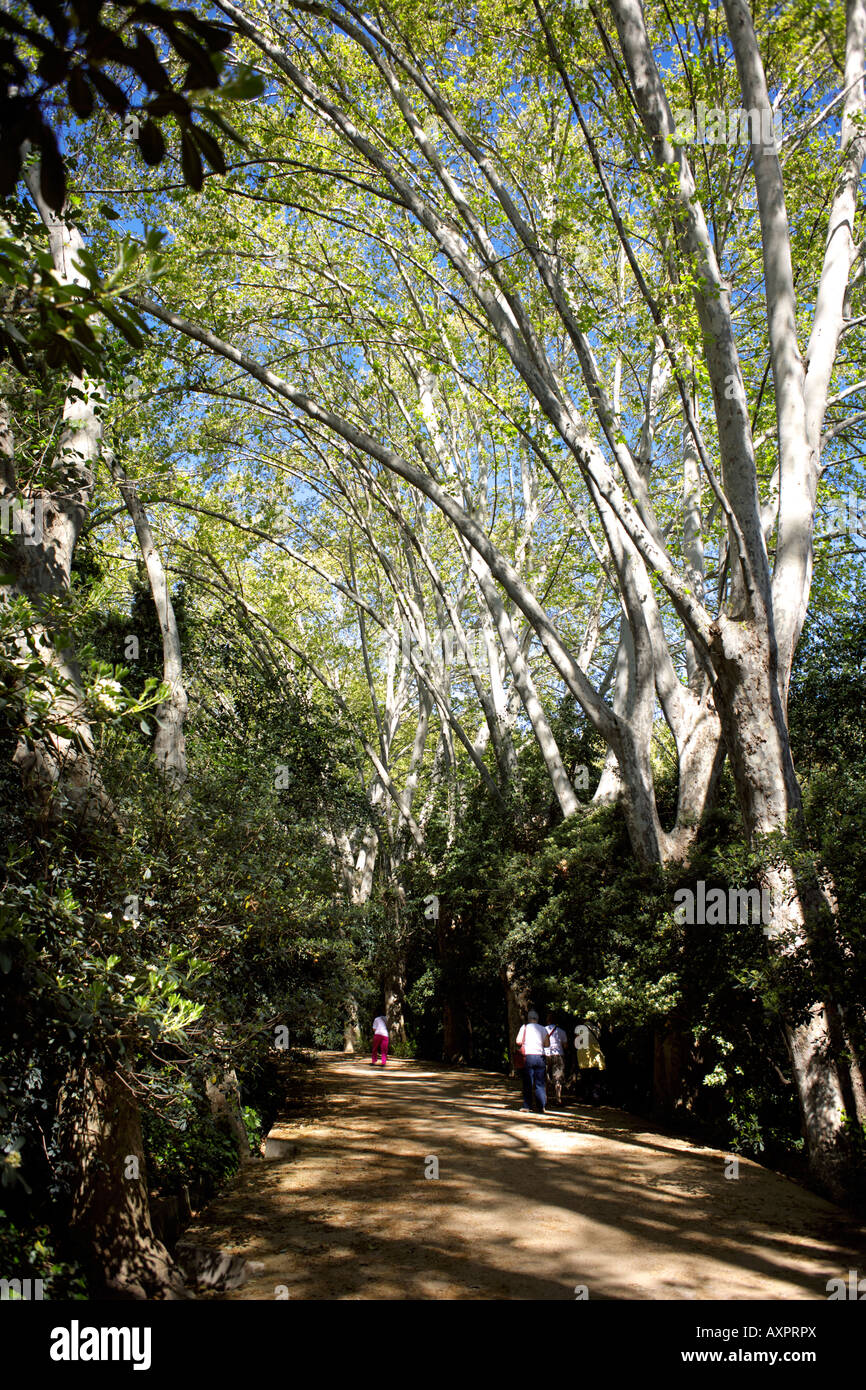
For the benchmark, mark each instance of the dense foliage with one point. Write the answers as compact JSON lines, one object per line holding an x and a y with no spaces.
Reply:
{"x":393,"y":555}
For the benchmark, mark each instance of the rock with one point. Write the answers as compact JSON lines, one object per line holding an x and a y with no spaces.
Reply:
{"x":170,"y":1216}
{"x":274,"y":1147}
{"x":215,"y":1269}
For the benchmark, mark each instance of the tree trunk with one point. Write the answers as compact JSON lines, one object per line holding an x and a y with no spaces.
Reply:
{"x":801,"y":915}
{"x":57,"y":771}
{"x":456,"y":1031}
{"x":456,"y":1025}
{"x":671,"y":1048}
{"x":225,"y":1104}
{"x":351,"y":1028}
{"x":395,"y":984}
{"x":565,"y":793}
{"x":516,"y":1004}
{"x":169,"y":746}
{"x":110,"y":1215}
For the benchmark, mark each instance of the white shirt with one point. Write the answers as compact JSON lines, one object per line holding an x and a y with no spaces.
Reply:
{"x":533,"y":1038}
{"x":558,"y":1041}
{"x":380,"y":1026}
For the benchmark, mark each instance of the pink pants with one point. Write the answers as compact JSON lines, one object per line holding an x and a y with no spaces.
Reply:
{"x":380,"y":1044}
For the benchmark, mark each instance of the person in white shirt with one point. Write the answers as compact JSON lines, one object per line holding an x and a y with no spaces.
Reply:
{"x":533,"y":1039}
{"x":380,"y":1039}
{"x":556,"y":1057}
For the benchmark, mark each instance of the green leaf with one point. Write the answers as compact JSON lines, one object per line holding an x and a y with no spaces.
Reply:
{"x":151,"y":142}
{"x":209,"y":148}
{"x":190,"y":161}
{"x":243,"y":85}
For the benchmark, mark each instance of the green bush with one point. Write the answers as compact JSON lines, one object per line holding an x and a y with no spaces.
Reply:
{"x":29,"y":1252}
{"x":193,"y":1151}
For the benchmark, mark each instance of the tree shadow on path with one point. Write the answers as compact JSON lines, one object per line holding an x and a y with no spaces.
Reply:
{"x":523,"y":1206}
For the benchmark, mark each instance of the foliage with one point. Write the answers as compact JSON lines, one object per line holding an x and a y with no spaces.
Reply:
{"x":175,"y":944}
{"x":190,"y":1150}
{"x":59,"y":45}
{"x":593,"y":936}
{"x":28,"y":1252}
{"x":358,"y":744}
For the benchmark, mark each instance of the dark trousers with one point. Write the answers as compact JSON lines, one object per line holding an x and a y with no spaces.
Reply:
{"x":533,"y":1084}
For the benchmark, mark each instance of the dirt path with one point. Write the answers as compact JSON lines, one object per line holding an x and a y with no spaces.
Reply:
{"x":524,"y":1206}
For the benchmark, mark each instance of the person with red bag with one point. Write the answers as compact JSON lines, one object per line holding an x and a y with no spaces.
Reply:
{"x":531,"y":1042}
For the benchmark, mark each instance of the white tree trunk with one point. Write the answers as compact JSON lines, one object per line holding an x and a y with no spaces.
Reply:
{"x":169,"y":746}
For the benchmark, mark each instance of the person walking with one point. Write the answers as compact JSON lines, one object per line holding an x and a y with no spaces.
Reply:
{"x":533,"y":1039}
{"x":589,"y":1060}
{"x":380,"y":1039}
{"x":556,"y":1057}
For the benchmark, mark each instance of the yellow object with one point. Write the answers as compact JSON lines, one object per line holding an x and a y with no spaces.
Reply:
{"x":591,"y":1057}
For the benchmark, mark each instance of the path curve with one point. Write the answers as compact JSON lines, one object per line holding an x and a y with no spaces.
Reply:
{"x":524,"y":1206}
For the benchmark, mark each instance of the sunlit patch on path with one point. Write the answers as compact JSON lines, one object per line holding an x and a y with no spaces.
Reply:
{"x":524,"y":1207}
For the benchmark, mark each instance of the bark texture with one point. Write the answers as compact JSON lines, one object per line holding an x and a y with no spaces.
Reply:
{"x":110,"y":1217}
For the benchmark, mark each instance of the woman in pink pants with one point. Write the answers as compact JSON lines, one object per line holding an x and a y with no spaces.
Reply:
{"x":380,"y":1039}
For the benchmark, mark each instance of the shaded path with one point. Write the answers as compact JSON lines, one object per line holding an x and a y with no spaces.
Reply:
{"x":524,"y":1207}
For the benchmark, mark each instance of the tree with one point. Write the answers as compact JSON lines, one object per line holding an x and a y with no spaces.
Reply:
{"x":498,"y":235}
{"x":55,"y":752}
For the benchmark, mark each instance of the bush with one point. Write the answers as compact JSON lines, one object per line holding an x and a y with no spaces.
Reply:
{"x":193,"y":1151}
{"x":30,"y":1253}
